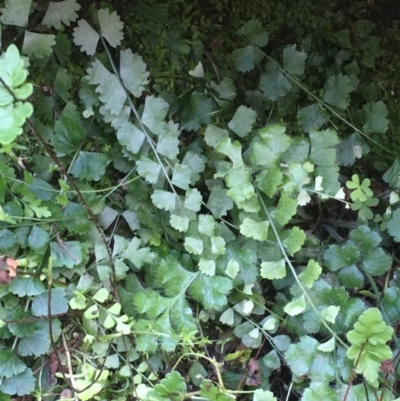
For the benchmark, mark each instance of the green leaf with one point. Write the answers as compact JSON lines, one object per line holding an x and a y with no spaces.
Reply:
{"x":26,"y":286}
{"x":66,"y":254}
{"x":168,"y":142}
{"x":133,"y":72}
{"x":273,"y":270}
{"x":394,"y":225}
{"x":351,"y":148}
{"x":295,"y":240}
{"x":219,"y":202}
{"x":38,"y":238}
{"x":293,"y":60}
{"x":86,"y":37}
{"x":254,"y":229}
{"x":232,"y":269}
{"x":164,"y":200}
{"x":10,"y":364}
{"x":274,"y":86}
{"x":375,"y":118}
{"x":392,"y":176}
{"x":217,"y":245}
{"x":311,"y":273}
{"x":337,"y":91}
{"x":312,"y":117}
{"x":246,"y":58}
{"x":89,"y":166}
{"x":68,"y":136}
{"x":64,"y":12}
{"x":286,"y":209}
{"x":255,"y":32}
{"x":21,"y":384}
{"x":63,"y":84}
{"x":197,"y":112}
{"x":38,"y":45}
{"x":323,"y":152}
{"x":300,"y":356}
{"x":16,"y":12}
{"x":111,"y":26}
{"x":337,"y":257}
{"x":242,"y":121}
{"x":320,"y":391}
{"x":136,"y":255}
{"x":7,"y":239}
{"x":37,"y":344}
{"x":377,"y":262}
{"x":58,"y":303}
{"x":296,"y":306}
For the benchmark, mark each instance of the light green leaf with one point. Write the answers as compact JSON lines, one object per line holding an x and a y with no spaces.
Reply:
{"x":89,"y":166}
{"x":295,"y":240}
{"x":296,"y":306}
{"x":86,"y":37}
{"x":111,"y":26}
{"x":181,"y":176}
{"x":311,"y":273}
{"x":154,"y":113}
{"x":320,"y":391}
{"x":148,"y":169}
{"x":168,"y":142}
{"x":227,"y":317}
{"x":375,"y":118}
{"x":273,"y":270}
{"x":232,"y":269}
{"x":286,"y":209}
{"x":101,"y":295}
{"x":207,"y":266}
{"x":180,"y":223}
{"x":274,"y":86}
{"x":231,"y":149}
{"x":254,"y":229}
{"x":242,"y":121}
{"x":133,"y":72}
{"x":269,"y":181}
{"x":64,"y":12}
{"x":58,"y":303}
{"x":206,"y":225}
{"x":300,"y":356}
{"x":131,"y":137}
{"x":136,"y":255}
{"x":38,"y":45}
{"x":327,"y":346}
{"x":214,"y":135}
{"x":246,"y":58}
{"x":193,"y":199}
{"x":16,"y":12}
{"x":337,"y":91}
{"x":263,"y":395}
{"x":293,"y":60}
{"x":193,"y":245}
{"x":217,"y":245}
{"x":164,"y":200}
{"x":330,"y":313}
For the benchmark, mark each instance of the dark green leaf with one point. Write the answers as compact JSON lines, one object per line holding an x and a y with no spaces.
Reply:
{"x":58,"y":303}
{"x":274,"y":86}
{"x":68,"y":136}
{"x":38,"y":238}
{"x":89,"y":166}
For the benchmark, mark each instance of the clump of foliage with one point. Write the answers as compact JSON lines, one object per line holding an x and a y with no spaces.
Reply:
{"x":185,"y":197}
